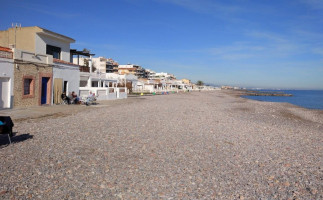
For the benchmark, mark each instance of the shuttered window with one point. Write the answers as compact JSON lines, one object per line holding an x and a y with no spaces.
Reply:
{"x":27,"y":86}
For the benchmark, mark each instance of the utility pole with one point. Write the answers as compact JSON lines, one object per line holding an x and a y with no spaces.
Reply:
{"x":16,"y":26}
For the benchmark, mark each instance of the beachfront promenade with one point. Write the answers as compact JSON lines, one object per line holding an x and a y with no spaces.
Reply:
{"x":197,"y":145}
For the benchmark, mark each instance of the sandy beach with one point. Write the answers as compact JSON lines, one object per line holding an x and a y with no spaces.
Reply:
{"x":197,"y":145}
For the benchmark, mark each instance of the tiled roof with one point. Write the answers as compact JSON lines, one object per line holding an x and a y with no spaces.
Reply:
{"x":63,"y":62}
{"x":5,"y":49}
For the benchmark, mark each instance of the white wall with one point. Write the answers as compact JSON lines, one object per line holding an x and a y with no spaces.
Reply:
{"x":103,"y":93}
{"x":6,"y":71}
{"x":68,"y":73}
{"x":126,"y":66}
{"x":100,"y":64}
{"x":42,"y":40}
{"x":121,"y":95}
{"x":29,"y":56}
{"x":81,"y":61}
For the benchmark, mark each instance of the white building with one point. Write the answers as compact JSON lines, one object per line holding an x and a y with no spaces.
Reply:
{"x":100,"y":64}
{"x":104,"y":85}
{"x":151,"y":74}
{"x":6,"y":78}
{"x":66,"y":79}
{"x":66,"y":75}
{"x":35,"y":43}
{"x":48,"y":42}
{"x":162,"y":76}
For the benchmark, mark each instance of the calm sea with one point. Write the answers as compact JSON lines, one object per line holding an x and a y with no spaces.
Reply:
{"x":312,"y":99}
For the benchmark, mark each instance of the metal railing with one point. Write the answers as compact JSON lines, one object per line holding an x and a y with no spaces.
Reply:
{"x":6,"y":54}
{"x":84,"y":69}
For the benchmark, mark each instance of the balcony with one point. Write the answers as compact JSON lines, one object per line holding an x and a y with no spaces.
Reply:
{"x":5,"y":52}
{"x":84,"y":69}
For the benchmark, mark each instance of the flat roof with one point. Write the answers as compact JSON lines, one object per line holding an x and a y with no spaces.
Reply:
{"x":76,"y":52}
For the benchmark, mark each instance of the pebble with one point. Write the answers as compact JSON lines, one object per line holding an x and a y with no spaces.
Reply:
{"x":201,"y":145}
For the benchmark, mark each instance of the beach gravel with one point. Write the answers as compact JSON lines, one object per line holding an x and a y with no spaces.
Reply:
{"x":197,"y":145}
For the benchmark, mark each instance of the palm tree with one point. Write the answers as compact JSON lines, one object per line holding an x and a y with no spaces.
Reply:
{"x":199,"y":83}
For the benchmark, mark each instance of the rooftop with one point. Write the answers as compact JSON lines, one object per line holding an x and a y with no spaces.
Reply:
{"x":5,"y":49}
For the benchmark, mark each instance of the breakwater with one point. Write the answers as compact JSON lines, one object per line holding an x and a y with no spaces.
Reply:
{"x":264,"y":93}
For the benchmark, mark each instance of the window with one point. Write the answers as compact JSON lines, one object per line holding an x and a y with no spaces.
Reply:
{"x":28,"y":86}
{"x":95,"y":83}
{"x":83,"y":83}
{"x":54,"y":51}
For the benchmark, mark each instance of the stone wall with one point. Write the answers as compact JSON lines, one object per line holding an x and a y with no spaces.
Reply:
{"x":34,"y":72}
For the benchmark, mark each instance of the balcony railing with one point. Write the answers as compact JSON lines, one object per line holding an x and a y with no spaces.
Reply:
{"x":84,"y":69}
{"x":5,"y":54}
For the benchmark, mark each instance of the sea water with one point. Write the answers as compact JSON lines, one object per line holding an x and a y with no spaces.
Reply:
{"x":312,"y":99}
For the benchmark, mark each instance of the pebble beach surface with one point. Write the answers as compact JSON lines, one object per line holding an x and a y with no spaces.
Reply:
{"x":197,"y":145}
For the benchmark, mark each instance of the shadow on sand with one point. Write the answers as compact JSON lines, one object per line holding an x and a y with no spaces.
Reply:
{"x":4,"y":141}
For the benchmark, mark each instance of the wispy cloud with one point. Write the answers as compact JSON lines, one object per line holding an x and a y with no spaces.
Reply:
{"x":314,"y":4}
{"x":62,"y":15}
{"x":205,"y":6}
{"x":278,"y":44}
{"x":308,"y":35}
{"x":45,"y":10}
{"x":236,"y":51}
{"x":237,"y":56}
{"x":238,"y":46}
{"x":266,"y":35}
{"x":268,"y":46}
{"x":298,"y":42}
{"x":318,"y":51}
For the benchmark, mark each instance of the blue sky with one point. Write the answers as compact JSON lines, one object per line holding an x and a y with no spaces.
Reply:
{"x":251,"y":43}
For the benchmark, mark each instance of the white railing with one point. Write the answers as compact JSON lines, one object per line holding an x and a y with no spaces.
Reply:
{"x":121,"y":93}
{"x":104,"y":93}
{"x":6,"y":54}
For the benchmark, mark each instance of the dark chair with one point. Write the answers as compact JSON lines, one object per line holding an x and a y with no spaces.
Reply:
{"x":6,"y":127}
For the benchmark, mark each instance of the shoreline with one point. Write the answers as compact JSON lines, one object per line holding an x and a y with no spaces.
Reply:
{"x":242,"y":95}
{"x":287,"y":109}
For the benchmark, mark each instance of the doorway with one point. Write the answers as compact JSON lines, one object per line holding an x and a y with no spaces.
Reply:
{"x":58,"y":82}
{"x":65,"y":87}
{"x":44,"y":89}
{"x":4,"y":93}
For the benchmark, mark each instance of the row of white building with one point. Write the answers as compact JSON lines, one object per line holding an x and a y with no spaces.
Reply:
{"x":37,"y":65}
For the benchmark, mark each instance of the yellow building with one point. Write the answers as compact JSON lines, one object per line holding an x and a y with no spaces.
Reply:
{"x":38,"y":40}
{"x":186,"y":81}
{"x":127,"y":69}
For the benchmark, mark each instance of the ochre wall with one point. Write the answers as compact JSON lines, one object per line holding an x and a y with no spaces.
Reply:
{"x":4,"y":39}
{"x":25,"y":38}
